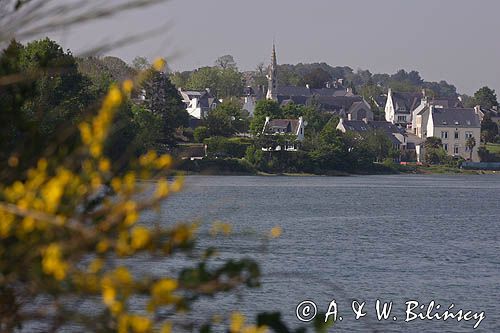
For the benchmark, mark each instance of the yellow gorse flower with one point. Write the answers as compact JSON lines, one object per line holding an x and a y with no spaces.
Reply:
{"x":53,"y":263}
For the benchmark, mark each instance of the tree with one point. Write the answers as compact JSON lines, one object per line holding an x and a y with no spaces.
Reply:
{"x":378,"y":143}
{"x":48,"y":100}
{"x":200,"y":133}
{"x":433,"y":151}
{"x":485,"y":97}
{"x":226,"y":62}
{"x":263,"y":109}
{"x":223,"y":83}
{"x":317,"y":78}
{"x":489,"y":130}
{"x":164,"y":101}
{"x":141,"y":63}
{"x":470,"y":144}
{"x":227,"y":119}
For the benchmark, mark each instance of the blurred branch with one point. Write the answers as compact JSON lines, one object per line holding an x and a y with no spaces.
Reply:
{"x":29,"y":18}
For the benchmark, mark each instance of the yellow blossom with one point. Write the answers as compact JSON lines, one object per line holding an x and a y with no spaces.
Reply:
{"x":140,"y":237}
{"x":104,"y":165}
{"x":52,"y":262}
{"x":162,"y":189}
{"x":159,"y":64}
{"x":237,"y":321}
{"x":164,"y":162}
{"x":166,"y":328}
{"x":140,"y":324}
{"x":177,"y":184}
{"x":275,"y":232}
{"x":102,"y":246}
{"x":85,"y":133}
{"x":28,"y":224}
{"x":96,"y":265}
{"x":128,"y":85}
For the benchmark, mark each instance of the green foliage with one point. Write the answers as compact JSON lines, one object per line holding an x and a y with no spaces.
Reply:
{"x":223,"y":83}
{"x":489,"y":130}
{"x":181,"y":79}
{"x":226,"y":62}
{"x":217,"y":166}
{"x":148,"y":129}
{"x":485,"y":97}
{"x":141,"y":63}
{"x":317,"y":78}
{"x":227,"y":119}
{"x":263,"y":109}
{"x":48,"y":99}
{"x":218,"y":146}
{"x":200,"y":133}
{"x":164,"y":101}
{"x":434,"y":152}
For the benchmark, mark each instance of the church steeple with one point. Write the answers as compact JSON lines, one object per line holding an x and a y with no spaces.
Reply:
{"x":272,"y":77}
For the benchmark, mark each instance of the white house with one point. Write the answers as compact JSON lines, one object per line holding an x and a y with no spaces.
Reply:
{"x":454,"y":126}
{"x":293,"y":127}
{"x":199,"y":103}
{"x":400,"y":105}
{"x":395,"y":134}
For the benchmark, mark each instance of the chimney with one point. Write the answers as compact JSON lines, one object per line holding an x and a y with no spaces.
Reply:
{"x":477,"y":109}
{"x":349,"y":90}
{"x":307,"y":86}
{"x":328,"y":84}
{"x":349,"y":116}
{"x":495,"y":107}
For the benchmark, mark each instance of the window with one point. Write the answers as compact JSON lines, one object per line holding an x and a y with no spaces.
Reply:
{"x":457,"y":135}
{"x":444,"y":135}
{"x":402,"y":118}
{"x":456,"y":150}
{"x":445,"y":147}
{"x":468,"y":135}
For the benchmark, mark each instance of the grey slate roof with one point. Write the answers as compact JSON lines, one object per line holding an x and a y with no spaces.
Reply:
{"x":361,"y":127}
{"x":406,"y":102}
{"x":335,"y":103}
{"x":450,"y":117}
{"x":290,"y":125}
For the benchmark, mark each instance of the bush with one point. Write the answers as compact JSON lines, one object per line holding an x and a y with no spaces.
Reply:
{"x":218,"y":146}
{"x":200,"y":133}
{"x":217,"y":166}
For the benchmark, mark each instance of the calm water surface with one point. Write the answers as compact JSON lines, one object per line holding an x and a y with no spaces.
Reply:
{"x":393,"y":238}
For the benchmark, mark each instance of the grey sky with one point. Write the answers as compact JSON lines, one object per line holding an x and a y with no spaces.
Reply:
{"x":453,"y":40}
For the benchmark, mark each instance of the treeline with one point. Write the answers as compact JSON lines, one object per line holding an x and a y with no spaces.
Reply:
{"x":227,"y":80}
{"x":51,"y":91}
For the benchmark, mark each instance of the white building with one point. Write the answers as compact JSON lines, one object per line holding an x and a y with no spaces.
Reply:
{"x":454,"y":127}
{"x":199,"y":103}
{"x":293,"y":127}
{"x":399,"y":106}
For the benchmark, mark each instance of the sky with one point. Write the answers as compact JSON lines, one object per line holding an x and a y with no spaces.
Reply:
{"x":453,"y":40}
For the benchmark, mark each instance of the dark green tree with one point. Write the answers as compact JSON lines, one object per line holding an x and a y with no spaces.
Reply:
{"x":485,"y":97}
{"x":263,"y":109}
{"x":317,"y":78}
{"x":470,"y":144}
{"x":164,"y":101}
{"x":489,"y":130}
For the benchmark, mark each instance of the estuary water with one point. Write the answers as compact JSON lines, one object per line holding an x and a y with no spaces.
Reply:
{"x":390,"y":238}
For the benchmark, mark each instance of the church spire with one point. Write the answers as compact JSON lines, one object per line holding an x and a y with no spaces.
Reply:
{"x":272,"y":77}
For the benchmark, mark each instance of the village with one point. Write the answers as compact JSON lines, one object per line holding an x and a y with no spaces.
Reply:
{"x":409,"y":121}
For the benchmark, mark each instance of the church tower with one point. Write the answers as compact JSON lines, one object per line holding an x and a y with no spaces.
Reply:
{"x":272,"y":77}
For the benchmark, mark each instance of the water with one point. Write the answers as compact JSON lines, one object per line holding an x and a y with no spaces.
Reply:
{"x":393,"y":238}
